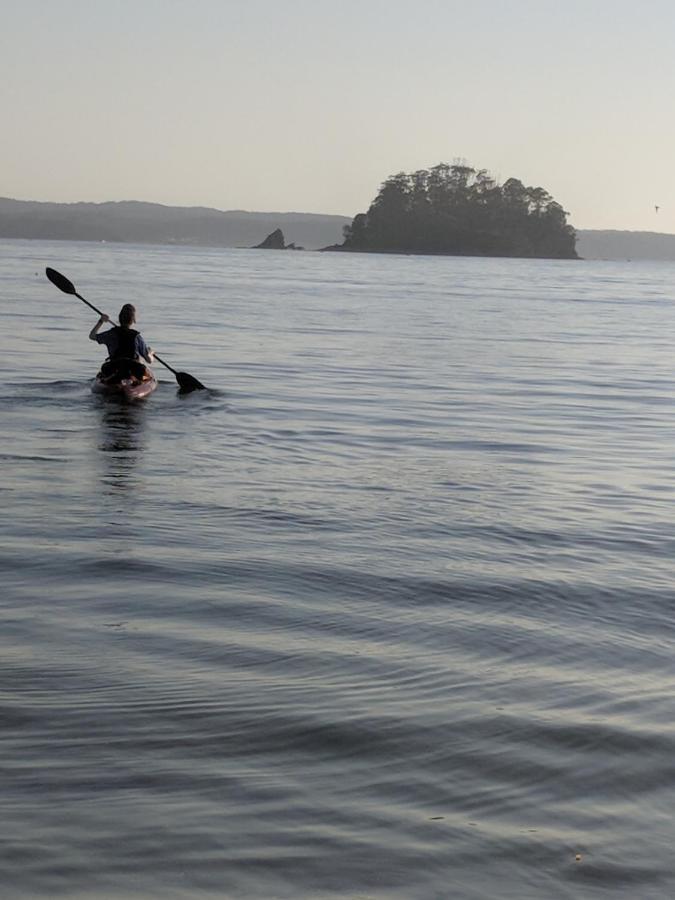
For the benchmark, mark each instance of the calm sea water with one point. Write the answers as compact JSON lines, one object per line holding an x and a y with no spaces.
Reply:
{"x":387,"y":613}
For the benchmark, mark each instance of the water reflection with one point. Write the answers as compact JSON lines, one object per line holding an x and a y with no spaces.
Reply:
{"x":122,"y":441}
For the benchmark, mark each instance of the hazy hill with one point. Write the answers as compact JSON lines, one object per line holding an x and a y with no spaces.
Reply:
{"x":135,"y":222}
{"x":625,"y":245}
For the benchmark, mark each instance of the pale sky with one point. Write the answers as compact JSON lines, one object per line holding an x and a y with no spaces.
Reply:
{"x":308,"y":105}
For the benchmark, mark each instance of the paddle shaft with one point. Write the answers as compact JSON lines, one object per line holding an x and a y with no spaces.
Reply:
{"x":166,"y":365}
{"x":90,"y":305}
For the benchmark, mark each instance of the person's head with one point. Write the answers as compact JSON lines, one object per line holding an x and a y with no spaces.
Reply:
{"x":127,"y":315}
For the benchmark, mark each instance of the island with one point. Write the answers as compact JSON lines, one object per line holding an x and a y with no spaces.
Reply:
{"x":462,"y":211}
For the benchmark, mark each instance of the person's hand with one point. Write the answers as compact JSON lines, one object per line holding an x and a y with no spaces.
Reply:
{"x":104,"y":318}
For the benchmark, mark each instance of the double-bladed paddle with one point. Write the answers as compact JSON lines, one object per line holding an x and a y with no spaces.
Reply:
{"x":185,"y":381}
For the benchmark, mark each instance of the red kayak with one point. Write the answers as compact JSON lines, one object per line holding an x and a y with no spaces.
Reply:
{"x":127,"y":388}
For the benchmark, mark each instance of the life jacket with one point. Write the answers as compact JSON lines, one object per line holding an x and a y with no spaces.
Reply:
{"x":126,"y":343}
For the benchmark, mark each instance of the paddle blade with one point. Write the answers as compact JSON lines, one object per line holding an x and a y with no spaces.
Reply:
{"x":61,"y":282}
{"x":188,"y":383}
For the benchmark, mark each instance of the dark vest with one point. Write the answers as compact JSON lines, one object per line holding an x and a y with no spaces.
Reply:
{"x":126,"y":343}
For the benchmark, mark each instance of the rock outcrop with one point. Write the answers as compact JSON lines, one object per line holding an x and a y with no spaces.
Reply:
{"x":276,"y":241}
{"x":273,"y":241}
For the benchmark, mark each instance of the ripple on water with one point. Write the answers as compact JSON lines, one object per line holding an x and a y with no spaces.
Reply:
{"x":385,"y":612}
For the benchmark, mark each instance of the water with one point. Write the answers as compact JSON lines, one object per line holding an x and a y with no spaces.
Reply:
{"x":386,"y":613}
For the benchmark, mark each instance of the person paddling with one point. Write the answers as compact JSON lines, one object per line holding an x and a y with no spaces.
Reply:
{"x":126,"y":348}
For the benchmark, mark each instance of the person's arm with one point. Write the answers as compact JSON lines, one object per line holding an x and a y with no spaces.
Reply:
{"x":145,"y":351}
{"x":103,"y":319}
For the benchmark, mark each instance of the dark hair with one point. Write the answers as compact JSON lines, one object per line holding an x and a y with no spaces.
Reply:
{"x":127,"y":315}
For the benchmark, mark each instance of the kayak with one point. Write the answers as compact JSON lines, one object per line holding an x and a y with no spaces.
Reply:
{"x":126,"y":388}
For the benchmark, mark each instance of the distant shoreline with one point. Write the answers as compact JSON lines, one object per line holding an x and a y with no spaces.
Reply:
{"x":135,"y":222}
{"x":340,"y":250}
{"x":466,"y":255}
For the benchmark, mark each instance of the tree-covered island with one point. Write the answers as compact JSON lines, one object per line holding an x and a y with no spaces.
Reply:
{"x":458,"y":210}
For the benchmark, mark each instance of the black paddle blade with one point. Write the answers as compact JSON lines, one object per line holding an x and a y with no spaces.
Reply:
{"x":61,"y":282}
{"x":188,"y":383}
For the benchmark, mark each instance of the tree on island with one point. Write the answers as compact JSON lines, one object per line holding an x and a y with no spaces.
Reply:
{"x":459,"y":210}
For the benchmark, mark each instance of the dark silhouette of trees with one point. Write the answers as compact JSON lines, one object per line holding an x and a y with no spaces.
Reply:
{"x":456,"y":209}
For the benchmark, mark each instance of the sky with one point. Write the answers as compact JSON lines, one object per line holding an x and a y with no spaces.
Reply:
{"x":308,"y":105}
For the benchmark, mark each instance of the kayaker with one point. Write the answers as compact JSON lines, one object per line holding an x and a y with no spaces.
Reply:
{"x":126,"y":348}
